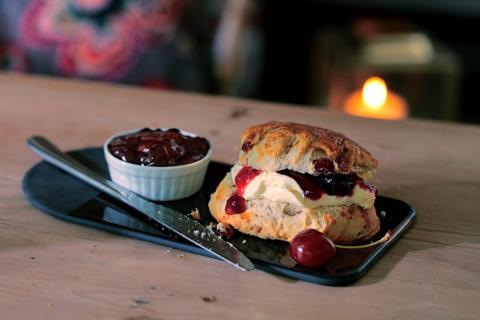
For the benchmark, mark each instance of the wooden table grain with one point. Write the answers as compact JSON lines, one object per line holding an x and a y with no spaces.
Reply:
{"x":50,"y":269}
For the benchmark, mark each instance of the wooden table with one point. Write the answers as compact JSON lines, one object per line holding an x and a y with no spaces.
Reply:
{"x":55,"y":270}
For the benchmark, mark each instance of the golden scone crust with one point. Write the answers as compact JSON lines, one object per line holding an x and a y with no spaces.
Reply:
{"x":281,"y":221}
{"x":275,"y":146}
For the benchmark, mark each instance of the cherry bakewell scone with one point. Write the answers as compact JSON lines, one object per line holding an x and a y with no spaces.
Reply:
{"x":291,"y":177}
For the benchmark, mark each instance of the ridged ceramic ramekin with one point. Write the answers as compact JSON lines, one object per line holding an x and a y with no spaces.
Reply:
{"x":158,"y":183}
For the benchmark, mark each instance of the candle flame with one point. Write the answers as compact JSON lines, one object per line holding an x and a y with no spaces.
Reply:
{"x":375,"y":101}
{"x":374,"y":93}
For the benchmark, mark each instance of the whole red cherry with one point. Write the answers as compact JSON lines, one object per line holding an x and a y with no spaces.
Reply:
{"x":311,"y":248}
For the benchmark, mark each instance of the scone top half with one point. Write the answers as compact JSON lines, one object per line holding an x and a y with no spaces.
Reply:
{"x":276,"y":146}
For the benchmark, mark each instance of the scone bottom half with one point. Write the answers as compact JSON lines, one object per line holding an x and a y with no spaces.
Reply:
{"x":276,"y":190}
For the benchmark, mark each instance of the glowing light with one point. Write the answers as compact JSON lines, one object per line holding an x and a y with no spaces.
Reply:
{"x":374,"y":92}
{"x":376,"y":101}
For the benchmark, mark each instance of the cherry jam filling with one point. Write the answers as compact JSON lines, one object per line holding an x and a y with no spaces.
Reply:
{"x":334,"y":184}
{"x":313,"y":187}
{"x":243,"y":178}
{"x":159,"y":147}
{"x":235,"y":204}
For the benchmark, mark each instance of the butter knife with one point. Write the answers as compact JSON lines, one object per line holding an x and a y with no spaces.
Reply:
{"x":175,"y":221}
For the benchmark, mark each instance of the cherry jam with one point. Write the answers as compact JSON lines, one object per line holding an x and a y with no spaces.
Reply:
{"x":334,"y":184}
{"x":159,"y":148}
{"x":243,"y":178}
{"x":235,"y":204}
{"x":307,"y":183}
{"x":313,"y":187}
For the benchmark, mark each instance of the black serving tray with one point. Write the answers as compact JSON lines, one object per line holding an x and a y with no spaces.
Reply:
{"x":61,"y":195}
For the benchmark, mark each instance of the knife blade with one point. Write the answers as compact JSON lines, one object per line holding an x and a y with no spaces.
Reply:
{"x":175,"y":221}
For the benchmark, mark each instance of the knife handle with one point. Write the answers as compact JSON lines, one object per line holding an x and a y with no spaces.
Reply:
{"x":50,"y":153}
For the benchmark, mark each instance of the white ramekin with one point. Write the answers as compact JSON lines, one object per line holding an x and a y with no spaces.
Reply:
{"x":157,"y":183}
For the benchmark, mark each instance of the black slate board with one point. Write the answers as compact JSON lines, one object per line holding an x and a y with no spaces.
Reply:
{"x":63,"y":196}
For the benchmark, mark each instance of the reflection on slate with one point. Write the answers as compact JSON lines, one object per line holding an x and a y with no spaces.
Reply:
{"x":115,"y":217}
{"x":105,"y":209}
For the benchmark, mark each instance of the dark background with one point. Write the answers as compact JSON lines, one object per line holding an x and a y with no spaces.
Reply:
{"x":289,"y":27}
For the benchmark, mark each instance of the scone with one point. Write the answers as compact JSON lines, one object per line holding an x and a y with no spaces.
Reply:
{"x":291,"y":177}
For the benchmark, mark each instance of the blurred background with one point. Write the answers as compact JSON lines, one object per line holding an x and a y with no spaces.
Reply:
{"x":384,"y":59}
